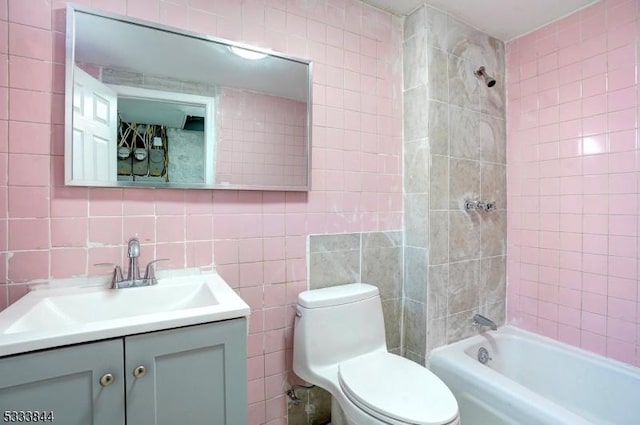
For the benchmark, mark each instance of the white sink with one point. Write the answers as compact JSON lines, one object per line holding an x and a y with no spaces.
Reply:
{"x":48,"y":318}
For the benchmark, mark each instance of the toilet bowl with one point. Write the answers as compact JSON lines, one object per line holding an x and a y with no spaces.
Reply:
{"x":339,"y":345}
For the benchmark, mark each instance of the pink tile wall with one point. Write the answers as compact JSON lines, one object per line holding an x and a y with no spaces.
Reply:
{"x":573,"y":175}
{"x":255,"y":239}
{"x":260,"y":139}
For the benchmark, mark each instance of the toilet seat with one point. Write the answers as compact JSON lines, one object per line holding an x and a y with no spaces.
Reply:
{"x":396,"y":390}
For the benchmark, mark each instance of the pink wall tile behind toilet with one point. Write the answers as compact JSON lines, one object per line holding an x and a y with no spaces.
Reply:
{"x":255,"y":239}
{"x":596,"y":129}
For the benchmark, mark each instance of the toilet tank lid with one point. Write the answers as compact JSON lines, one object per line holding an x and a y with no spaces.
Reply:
{"x":337,"y":295}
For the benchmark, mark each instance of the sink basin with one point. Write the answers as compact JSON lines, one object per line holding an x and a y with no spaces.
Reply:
{"x":53,"y":317}
{"x":56,"y":308}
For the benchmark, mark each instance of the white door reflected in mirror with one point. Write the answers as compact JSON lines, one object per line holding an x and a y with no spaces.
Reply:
{"x":94,"y":124}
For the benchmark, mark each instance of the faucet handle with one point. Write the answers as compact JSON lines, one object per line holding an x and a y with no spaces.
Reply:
{"x":470,"y":205}
{"x":133,"y":248}
{"x":117,"y":273}
{"x":150,"y":271}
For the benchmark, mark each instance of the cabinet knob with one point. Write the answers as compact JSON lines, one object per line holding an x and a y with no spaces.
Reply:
{"x":107,"y":379}
{"x":140,"y":371}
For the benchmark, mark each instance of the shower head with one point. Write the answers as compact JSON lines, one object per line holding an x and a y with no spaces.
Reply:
{"x":488,"y":80}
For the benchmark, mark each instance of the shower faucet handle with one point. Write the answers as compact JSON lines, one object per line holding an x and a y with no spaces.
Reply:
{"x":480,"y":205}
{"x":470,"y":205}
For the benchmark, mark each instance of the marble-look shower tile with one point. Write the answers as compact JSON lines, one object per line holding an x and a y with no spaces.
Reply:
{"x":391,"y":310}
{"x":464,"y":182}
{"x":392,"y":239}
{"x":437,"y":291}
{"x":498,"y":49}
{"x":493,"y":281}
{"x":495,"y":311}
{"x":416,"y":166}
{"x":414,"y":61}
{"x":462,"y":293}
{"x":438,"y":74}
{"x":439,"y":127}
{"x":438,"y":237}
{"x":436,"y":28}
{"x":494,"y":183}
{"x":382,"y":267}
{"x":415,"y":323}
{"x":333,"y":268}
{"x":460,"y":326}
{"x":436,"y":333}
{"x":494,"y":233}
{"x":414,"y":357}
{"x":464,"y":235}
{"x":464,"y":133}
{"x":415,"y":22}
{"x":474,"y":46}
{"x":463,"y":84}
{"x":330,"y":243}
{"x":417,"y":220}
{"x":492,"y":99}
{"x":334,"y":260}
{"x":439,"y":183}
{"x":415,"y":276}
{"x":467,"y":124}
{"x":460,"y":36}
{"x":415,"y":110}
{"x":396,"y":351}
{"x":493,"y":136}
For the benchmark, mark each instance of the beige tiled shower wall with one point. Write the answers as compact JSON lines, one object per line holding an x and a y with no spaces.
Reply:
{"x":454,"y":150}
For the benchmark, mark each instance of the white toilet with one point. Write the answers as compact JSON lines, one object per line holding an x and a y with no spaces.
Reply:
{"x":339,"y":345}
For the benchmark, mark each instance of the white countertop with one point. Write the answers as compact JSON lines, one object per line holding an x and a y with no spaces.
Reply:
{"x":53,"y":317}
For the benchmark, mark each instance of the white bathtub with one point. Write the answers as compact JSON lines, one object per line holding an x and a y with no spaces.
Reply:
{"x":533,"y":380}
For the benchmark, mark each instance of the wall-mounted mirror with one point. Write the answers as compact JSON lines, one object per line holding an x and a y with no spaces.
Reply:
{"x":150,"y":105}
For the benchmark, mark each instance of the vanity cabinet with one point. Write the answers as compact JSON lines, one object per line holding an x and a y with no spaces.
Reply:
{"x":194,"y":375}
{"x":191,"y":376}
{"x":63,"y":384}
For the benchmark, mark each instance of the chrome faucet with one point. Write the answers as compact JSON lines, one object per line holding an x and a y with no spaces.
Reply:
{"x":480,"y":320}
{"x":133,"y":274}
{"x":133,"y":252}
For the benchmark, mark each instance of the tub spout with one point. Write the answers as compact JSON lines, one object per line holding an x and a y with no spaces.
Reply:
{"x":479,"y":319}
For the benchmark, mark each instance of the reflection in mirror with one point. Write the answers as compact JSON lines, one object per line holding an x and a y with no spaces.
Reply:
{"x":153,"y":106}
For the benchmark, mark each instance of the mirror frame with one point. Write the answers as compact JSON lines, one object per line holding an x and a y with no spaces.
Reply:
{"x":72,"y":10}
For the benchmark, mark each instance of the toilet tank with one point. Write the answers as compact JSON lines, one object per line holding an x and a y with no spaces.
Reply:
{"x":336,"y":323}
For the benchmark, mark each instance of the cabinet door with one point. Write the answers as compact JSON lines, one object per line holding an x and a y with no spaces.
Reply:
{"x":66,"y":382}
{"x":194,"y":375}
